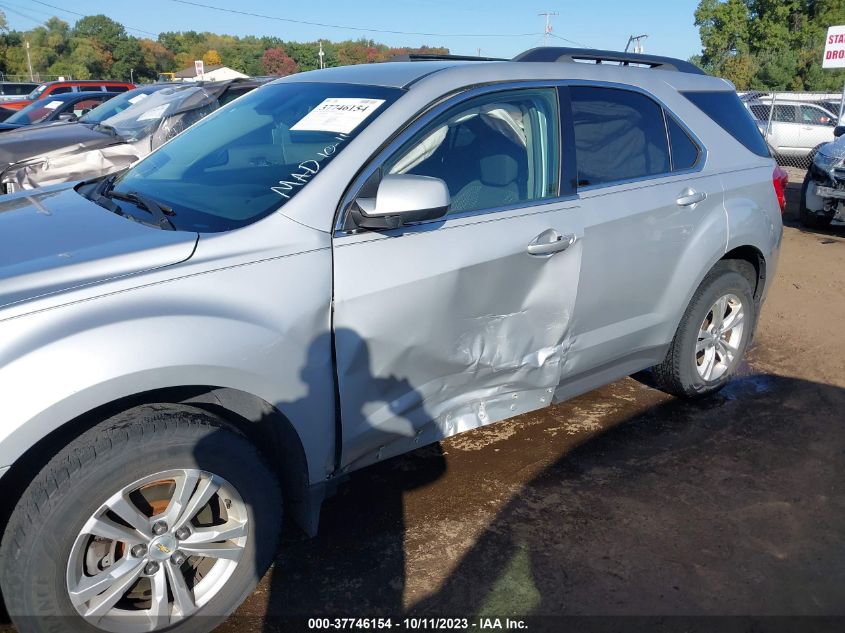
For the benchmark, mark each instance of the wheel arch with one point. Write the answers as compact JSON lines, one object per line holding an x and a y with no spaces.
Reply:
{"x":260,"y":422}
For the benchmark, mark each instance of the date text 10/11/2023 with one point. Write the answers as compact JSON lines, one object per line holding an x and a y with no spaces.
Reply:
{"x":418,"y":624}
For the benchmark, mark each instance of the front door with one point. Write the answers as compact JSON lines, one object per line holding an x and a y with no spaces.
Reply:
{"x":448,"y":325}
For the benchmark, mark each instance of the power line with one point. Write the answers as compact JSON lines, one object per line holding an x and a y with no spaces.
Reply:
{"x":85,"y":15}
{"x":349,"y":28}
{"x":23,"y":15}
{"x":581,"y":44}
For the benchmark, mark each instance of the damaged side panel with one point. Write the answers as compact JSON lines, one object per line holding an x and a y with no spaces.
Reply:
{"x":446,"y":327}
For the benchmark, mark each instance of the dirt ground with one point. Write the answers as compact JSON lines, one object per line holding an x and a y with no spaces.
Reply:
{"x":622,"y":501}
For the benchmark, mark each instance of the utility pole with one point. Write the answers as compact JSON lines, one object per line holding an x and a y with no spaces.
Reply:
{"x":479,"y":52}
{"x":548,"y":29}
{"x":29,"y":62}
{"x":131,"y":80}
{"x":321,"y":54}
{"x":638,"y":47}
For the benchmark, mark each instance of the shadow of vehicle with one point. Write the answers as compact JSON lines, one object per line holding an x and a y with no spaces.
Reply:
{"x":731,"y":505}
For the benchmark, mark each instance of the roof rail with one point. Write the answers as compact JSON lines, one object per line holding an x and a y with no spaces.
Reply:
{"x":572,"y":55}
{"x":433,"y":57}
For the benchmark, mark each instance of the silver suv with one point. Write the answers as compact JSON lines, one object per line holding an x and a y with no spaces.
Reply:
{"x":337,"y":268}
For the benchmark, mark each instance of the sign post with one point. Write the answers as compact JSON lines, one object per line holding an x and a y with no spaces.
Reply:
{"x":199,"y":69}
{"x":834,"y":55}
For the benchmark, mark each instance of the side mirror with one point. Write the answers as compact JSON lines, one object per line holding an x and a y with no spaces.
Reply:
{"x":66,"y":116}
{"x":402,"y":199}
{"x":839,"y":130}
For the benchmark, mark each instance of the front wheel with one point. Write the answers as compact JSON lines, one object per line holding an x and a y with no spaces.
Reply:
{"x":713,"y":334}
{"x":159,"y":519}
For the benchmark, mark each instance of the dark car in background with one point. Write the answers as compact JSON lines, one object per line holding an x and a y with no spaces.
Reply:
{"x":64,"y":107}
{"x":111,"y":137}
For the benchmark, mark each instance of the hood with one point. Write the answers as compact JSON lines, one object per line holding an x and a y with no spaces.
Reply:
{"x":18,"y":104}
{"x":34,"y":141}
{"x":834,"y":149}
{"x":54,"y":239}
{"x":5,"y":127}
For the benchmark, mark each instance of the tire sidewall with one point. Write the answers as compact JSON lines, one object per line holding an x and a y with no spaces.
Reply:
{"x":43,"y":558}
{"x":728,"y":282}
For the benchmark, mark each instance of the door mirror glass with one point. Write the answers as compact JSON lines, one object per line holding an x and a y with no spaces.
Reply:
{"x":402,"y":199}
{"x":839,"y":130}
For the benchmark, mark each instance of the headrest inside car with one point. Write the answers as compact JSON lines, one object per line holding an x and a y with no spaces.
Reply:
{"x":498,"y":170}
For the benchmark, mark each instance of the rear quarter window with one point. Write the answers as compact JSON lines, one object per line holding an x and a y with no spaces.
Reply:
{"x":727,"y":111}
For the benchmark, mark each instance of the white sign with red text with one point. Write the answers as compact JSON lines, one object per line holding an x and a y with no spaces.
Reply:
{"x":199,"y":69}
{"x":834,"y":48}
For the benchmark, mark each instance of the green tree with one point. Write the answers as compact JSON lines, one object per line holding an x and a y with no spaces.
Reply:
{"x":769,"y":44}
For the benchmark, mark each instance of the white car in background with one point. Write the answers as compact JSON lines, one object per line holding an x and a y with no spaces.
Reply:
{"x":795,"y":128}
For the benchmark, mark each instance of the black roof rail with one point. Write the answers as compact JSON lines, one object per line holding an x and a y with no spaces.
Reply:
{"x":433,"y":57}
{"x":572,"y":55}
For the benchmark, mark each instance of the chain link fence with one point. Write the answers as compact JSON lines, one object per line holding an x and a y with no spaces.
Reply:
{"x":794,"y":124}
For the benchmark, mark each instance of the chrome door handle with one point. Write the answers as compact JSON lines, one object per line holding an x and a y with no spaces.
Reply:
{"x":690,"y":197}
{"x":552,"y":243}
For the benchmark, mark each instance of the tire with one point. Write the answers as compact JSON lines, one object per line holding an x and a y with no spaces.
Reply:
{"x":44,"y":547}
{"x":681,"y":372}
{"x":811,"y":219}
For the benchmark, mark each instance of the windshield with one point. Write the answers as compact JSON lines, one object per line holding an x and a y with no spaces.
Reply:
{"x":118,"y":104}
{"x":255,"y":154}
{"x":35,"y":112}
{"x":142,"y":118}
{"x":37,"y":92}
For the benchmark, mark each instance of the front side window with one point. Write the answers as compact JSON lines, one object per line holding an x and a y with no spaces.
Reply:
{"x":619,"y":135}
{"x":491,"y":151}
{"x":815,"y":116}
{"x":249,"y":158}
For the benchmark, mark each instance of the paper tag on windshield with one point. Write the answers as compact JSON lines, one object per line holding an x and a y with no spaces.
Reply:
{"x":337,"y":115}
{"x":52,"y":105}
{"x":137,"y":98}
{"x":153,"y":113}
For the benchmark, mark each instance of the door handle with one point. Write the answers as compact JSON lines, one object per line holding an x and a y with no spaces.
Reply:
{"x":552,"y":243}
{"x":690,"y":198}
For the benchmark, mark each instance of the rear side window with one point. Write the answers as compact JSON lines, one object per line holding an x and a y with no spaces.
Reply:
{"x":727,"y":111}
{"x":116,"y":88}
{"x":60,"y":90}
{"x":619,"y":135}
{"x":684,"y":150}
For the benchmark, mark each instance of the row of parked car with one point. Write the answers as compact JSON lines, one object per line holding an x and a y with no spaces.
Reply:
{"x":65,"y":132}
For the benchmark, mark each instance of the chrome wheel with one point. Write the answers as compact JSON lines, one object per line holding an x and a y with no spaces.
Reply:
{"x":157,"y":551}
{"x":719,"y":337}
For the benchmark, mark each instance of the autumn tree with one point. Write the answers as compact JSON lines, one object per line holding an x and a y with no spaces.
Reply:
{"x":212,"y":58}
{"x":276,"y":62}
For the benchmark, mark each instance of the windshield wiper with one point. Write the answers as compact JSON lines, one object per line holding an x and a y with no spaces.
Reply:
{"x":159,"y":211}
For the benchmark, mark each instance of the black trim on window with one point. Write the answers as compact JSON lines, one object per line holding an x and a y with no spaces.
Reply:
{"x":568,"y":161}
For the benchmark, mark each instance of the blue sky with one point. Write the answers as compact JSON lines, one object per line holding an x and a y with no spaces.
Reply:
{"x":597,"y":23}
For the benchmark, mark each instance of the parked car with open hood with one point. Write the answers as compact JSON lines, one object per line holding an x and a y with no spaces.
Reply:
{"x":136,"y":124}
{"x":64,"y":107}
{"x":342,"y":266}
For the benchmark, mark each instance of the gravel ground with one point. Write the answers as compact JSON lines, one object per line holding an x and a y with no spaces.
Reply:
{"x":622,"y":501}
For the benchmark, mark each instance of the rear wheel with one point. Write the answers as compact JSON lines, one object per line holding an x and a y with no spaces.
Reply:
{"x":713,"y":334}
{"x":160,"y":519}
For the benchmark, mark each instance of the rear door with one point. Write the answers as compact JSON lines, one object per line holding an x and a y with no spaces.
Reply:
{"x":448,"y":325}
{"x":645,"y":196}
{"x":785,"y":131}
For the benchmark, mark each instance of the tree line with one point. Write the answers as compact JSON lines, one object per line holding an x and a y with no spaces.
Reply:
{"x":97,"y":47}
{"x":769,"y":44}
